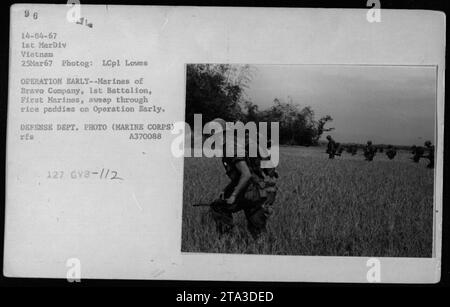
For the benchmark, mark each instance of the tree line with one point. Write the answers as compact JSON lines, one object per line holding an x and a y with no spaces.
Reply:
{"x":218,"y":90}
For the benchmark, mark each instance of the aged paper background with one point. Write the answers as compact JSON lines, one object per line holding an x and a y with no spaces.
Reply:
{"x":131,"y":229}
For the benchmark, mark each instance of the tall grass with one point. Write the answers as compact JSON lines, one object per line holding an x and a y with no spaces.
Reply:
{"x":341,"y":207}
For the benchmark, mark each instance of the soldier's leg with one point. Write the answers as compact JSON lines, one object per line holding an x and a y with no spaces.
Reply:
{"x":223,"y":218}
{"x":256,"y":219}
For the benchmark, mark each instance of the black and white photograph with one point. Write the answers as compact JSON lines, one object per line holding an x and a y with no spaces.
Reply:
{"x":356,"y":161}
{"x":164,"y":144}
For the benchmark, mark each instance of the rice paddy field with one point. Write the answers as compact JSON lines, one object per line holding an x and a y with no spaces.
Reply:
{"x":341,"y":207}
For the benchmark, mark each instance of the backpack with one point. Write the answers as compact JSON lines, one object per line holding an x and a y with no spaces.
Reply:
{"x":262,"y":186}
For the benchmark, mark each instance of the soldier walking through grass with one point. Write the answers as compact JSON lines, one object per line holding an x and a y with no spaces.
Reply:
{"x":417,"y":152}
{"x":369,"y":151}
{"x":331,"y":147}
{"x":251,"y":189}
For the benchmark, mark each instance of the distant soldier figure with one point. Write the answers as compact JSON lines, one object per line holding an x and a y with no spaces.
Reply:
{"x":430,"y":149}
{"x":417,"y":152}
{"x":380,"y":149}
{"x":391,"y":152}
{"x":251,"y":189}
{"x":331,"y":147}
{"x":354,"y":149}
{"x":369,"y":151}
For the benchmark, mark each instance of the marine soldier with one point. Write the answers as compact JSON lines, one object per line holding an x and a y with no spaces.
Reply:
{"x":430,"y":149}
{"x":369,"y":151}
{"x":331,"y":147}
{"x":417,"y":152}
{"x":251,"y":189}
{"x":391,"y":152}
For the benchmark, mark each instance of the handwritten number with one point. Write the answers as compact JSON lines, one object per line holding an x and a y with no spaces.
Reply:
{"x":115,"y":176}
{"x":27,"y":14}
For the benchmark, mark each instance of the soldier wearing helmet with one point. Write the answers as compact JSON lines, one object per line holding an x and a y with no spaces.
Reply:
{"x":251,"y":189}
{"x":331,"y":147}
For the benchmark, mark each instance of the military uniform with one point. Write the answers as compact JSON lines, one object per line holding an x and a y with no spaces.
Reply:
{"x":391,"y":152}
{"x":369,"y":151}
{"x":331,"y":148}
{"x":417,"y":152}
{"x":255,"y":199}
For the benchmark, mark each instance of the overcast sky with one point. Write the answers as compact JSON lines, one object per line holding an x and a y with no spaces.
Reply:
{"x":386,"y":104}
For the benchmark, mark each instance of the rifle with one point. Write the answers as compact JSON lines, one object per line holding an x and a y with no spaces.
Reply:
{"x":219,"y":202}
{"x":201,"y":205}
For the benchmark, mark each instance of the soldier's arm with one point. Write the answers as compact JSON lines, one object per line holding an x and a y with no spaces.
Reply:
{"x":245,"y":176}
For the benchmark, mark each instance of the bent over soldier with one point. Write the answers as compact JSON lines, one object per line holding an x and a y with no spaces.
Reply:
{"x":369,"y":151}
{"x":391,"y":152}
{"x":417,"y":152}
{"x":251,"y":189}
